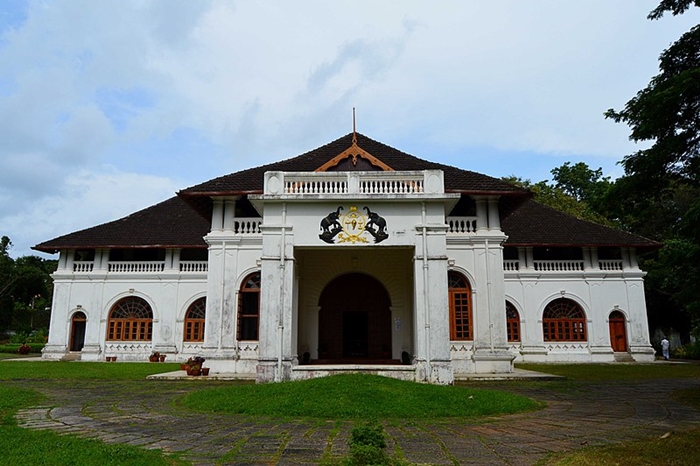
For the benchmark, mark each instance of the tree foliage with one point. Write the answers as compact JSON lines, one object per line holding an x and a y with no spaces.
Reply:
{"x":659,"y":196}
{"x":667,"y":112}
{"x":676,"y":7}
{"x":25,"y":290}
{"x":576,"y":190}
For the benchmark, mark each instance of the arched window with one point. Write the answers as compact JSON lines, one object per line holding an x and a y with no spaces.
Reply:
{"x":249,"y":308}
{"x":512,"y":322}
{"x":194,"y":320}
{"x":564,"y":320}
{"x":460,"y":302}
{"x":131,"y":319}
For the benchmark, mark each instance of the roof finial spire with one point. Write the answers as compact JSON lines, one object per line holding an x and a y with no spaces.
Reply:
{"x":354,"y":131}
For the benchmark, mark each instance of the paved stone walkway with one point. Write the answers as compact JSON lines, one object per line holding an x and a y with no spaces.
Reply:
{"x":588,"y":414}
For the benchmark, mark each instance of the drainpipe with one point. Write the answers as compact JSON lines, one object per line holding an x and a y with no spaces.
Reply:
{"x":426,"y":301}
{"x":280,"y":324}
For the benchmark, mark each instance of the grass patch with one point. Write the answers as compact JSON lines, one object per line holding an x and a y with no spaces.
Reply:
{"x":605,"y":372}
{"x":678,"y":449}
{"x":12,"y":370}
{"x":24,"y":446}
{"x":357,"y":396}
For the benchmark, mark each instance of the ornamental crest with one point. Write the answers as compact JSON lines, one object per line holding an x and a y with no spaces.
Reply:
{"x":353,"y":226}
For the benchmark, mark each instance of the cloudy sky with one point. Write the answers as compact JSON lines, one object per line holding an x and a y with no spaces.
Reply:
{"x":107,"y":107}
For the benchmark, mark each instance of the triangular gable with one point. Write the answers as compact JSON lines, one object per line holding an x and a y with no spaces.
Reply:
{"x":354,"y":151}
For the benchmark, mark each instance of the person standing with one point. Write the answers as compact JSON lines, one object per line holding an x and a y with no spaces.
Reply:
{"x":665,"y":347}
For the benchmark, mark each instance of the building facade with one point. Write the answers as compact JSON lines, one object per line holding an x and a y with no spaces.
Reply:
{"x":352,"y":257}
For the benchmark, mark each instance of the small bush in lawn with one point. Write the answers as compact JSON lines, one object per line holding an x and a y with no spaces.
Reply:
{"x":367,"y":445}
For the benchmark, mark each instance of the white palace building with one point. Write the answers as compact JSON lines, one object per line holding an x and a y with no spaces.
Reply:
{"x":351,"y":257}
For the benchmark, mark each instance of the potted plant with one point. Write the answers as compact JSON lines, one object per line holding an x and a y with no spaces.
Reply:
{"x":154,"y":357}
{"x":24,"y":349}
{"x":162,"y":357}
{"x":205,"y":371}
{"x":195,"y":364}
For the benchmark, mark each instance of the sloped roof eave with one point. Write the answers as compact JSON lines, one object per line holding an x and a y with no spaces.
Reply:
{"x":648,"y":246}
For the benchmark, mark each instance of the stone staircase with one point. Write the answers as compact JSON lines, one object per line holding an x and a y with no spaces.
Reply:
{"x":623,"y":357}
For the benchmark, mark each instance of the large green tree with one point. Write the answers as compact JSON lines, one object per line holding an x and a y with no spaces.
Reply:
{"x":25,"y":290}
{"x":659,"y":196}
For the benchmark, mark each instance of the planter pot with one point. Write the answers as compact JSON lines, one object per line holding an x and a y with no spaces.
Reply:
{"x":194,"y":372}
{"x":184,"y":367}
{"x":205,"y":371}
{"x":153,"y":358}
{"x":162,"y":358}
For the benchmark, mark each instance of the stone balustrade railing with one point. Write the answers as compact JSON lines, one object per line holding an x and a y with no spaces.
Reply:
{"x":608,"y":264}
{"x":461,"y":225}
{"x":83,"y":266}
{"x":247,"y":226}
{"x":136,"y":266}
{"x":559,"y":266}
{"x":354,"y":183}
{"x":511,"y":266}
{"x":563,"y":265}
{"x":194,"y":266}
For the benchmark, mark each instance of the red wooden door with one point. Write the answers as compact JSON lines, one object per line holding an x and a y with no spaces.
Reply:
{"x":618,"y":336}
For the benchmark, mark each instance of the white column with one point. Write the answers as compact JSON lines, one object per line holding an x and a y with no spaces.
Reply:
{"x":530,"y":258}
{"x":229,"y":214}
{"x":594,"y":258}
{"x":494,"y":218}
{"x":275,"y":349}
{"x":482,"y":214}
{"x":522,"y":258}
{"x":217,"y":215}
{"x":491,"y":353}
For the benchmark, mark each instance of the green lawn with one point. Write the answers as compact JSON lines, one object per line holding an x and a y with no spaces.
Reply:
{"x":356,"y":396}
{"x":350,"y":397}
{"x":604,"y":372}
{"x":25,"y":446}
{"x":82,"y":370}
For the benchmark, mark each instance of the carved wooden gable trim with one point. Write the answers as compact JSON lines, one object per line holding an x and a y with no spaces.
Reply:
{"x":355,"y":151}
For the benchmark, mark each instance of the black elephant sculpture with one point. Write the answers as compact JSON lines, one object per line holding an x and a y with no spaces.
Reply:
{"x":330,"y":221}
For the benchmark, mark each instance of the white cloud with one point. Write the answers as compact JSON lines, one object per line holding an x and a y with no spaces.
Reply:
{"x":135,"y":84}
{"x":86,"y":199}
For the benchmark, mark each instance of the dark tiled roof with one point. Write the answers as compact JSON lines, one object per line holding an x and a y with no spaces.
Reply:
{"x":534,"y":224}
{"x":171,"y":223}
{"x":251,"y":180}
{"x":176,"y":222}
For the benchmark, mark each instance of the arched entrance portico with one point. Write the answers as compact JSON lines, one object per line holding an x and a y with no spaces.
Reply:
{"x":354,"y":320}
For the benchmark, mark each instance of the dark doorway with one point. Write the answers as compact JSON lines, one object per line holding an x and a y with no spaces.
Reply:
{"x":77,"y":334}
{"x":354,"y":320}
{"x":355,"y":335}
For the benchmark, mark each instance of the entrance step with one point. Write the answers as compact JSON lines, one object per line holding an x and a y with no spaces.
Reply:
{"x":623,"y":357}
{"x":71,"y":357}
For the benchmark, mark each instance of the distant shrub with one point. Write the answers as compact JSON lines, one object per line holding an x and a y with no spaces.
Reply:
{"x":687,"y":351}
{"x":14,"y":348}
{"x":37,"y":336}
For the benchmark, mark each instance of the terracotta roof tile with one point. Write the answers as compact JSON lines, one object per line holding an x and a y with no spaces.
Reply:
{"x":251,"y":180}
{"x":171,"y":223}
{"x":176,"y":222}
{"x":534,"y":224}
